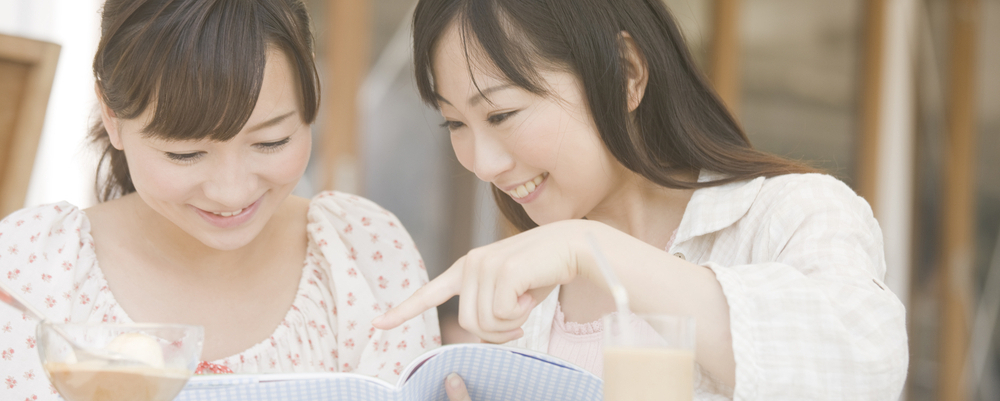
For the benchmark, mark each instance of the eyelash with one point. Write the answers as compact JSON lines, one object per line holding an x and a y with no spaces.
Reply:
{"x":499,"y":118}
{"x":273,"y":146}
{"x":184,"y":158}
{"x":267,"y":147}
{"x":493,"y":120}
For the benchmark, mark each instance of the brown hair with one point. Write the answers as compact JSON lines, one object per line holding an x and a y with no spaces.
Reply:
{"x":680,"y":125}
{"x":199,"y":62}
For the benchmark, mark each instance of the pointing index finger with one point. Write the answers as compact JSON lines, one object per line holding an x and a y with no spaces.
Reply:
{"x":434,"y":293}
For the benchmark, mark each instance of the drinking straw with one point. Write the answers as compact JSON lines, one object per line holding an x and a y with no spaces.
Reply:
{"x":617,"y":290}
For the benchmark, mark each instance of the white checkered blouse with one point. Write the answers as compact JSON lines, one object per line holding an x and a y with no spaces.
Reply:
{"x":800,"y":261}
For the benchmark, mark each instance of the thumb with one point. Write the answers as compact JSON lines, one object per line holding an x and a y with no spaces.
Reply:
{"x":455,"y":387}
{"x":434,"y":293}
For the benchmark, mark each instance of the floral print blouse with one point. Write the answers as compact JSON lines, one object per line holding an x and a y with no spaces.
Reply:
{"x":360,"y":261}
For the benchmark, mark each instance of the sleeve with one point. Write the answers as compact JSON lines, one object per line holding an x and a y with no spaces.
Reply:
{"x":374,"y":264}
{"x":815,"y":320}
{"x":39,"y":248}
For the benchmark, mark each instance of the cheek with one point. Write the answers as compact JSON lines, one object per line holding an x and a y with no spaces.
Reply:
{"x":288,"y":165}
{"x":160,"y":179}
{"x":464,"y":150}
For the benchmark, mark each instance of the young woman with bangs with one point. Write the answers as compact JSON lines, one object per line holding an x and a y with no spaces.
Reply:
{"x":589,"y":116}
{"x":205,"y":110}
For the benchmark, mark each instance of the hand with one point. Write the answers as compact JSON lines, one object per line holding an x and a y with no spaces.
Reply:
{"x":455,"y":387}
{"x":502,"y":282}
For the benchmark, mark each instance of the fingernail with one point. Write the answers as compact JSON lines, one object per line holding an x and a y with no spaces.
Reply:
{"x":454,"y":381}
{"x":378,"y":319}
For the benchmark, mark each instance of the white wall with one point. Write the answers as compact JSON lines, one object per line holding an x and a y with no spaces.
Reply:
{"x":64,"y":166}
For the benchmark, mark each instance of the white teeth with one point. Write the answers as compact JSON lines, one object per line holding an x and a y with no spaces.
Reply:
{"x":526,"y":188}
{"x":228,"y":214}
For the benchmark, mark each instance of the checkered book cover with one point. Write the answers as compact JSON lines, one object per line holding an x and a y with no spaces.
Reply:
{"x":490,"y":372}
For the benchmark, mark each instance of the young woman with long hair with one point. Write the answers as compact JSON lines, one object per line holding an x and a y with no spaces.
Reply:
{"x":589,"y":116}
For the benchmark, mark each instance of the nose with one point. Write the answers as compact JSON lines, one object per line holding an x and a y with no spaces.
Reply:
{"x":232,"y":183}
{"x":490,"y":157}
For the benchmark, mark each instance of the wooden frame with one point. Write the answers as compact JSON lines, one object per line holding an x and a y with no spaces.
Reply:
{"x":870,"y":108}
{"x":724,"y":53}
{"x":27,"y":69}
{"x":347,"y":51}
{"x":958,"y":220}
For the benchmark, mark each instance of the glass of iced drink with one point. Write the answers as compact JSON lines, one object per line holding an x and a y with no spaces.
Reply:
{"x":648,"y":357}
{"x":155,"y":360}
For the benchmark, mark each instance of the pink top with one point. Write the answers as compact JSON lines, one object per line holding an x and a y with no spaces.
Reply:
{"x":581,"y":343}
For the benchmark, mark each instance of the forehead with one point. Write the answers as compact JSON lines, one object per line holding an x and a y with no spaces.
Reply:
{"x":460,"y":64}
{"x":279,"y":89}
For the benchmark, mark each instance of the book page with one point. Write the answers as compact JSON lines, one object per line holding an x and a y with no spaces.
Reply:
{"x":493,"y":372}
{"x":287,"y":387}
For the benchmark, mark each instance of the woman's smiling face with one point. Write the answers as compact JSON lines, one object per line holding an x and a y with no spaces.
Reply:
{"x":223,"y":193}
{"x":543,"y":151}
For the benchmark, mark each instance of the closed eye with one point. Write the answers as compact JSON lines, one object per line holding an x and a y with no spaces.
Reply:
{"x":273,"y":146}
{"x":184,"y":157}
{"x":496,"y":119}
{"x":452,"y":125}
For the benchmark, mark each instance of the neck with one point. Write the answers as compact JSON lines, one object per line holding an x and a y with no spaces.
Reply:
{"x":644,"y":210}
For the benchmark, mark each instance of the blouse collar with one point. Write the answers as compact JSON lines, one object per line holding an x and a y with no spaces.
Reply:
{"x":715,"y":208}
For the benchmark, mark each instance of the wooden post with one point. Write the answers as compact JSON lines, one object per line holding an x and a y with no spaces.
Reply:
{"x":347,"y":47}
{"x":958,"y":212}
{"x":27,"y":69}
{"x":724,"y":56}
{"x":871,"y":99}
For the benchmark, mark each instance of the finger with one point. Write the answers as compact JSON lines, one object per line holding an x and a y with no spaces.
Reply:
{"x":455,"y":387}
{"x":434,"y":293}
{"x":509,"y":289}
{"x":486,"y":287}
{"x":502,"y":337}
{"x":468,"y":311}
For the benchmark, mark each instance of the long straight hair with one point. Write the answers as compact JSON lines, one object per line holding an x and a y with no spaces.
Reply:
{"x":680,"y":125}
{"x":199,"y":63}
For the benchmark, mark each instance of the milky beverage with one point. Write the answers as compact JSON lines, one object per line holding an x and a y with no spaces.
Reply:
{"x":637,"y":373}
{"x":90,"y":382}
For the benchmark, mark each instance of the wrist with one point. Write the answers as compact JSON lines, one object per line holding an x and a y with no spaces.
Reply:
{"x":584,"y":260}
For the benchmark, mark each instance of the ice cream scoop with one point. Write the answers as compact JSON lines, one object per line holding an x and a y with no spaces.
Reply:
{"x":139,"y":347}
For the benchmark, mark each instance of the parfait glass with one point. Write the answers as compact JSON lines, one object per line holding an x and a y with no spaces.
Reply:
{"x":160,"y":360}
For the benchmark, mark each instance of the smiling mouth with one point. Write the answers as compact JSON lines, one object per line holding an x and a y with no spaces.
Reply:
{"x":229,"y":214}
{"x":527,"y":188}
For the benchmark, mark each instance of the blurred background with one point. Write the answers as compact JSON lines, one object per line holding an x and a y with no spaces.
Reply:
{"x":898,"y":98}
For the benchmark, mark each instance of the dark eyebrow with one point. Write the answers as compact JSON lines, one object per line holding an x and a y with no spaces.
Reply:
{"x":475,"y":99}
{"x":272,"y":122}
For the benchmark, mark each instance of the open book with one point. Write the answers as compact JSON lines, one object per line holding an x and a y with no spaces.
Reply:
{"x":491,"y":372}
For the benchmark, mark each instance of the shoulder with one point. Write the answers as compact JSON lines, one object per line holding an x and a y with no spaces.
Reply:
{"x":356,"y":222}
{"x":38,"y":223}
{"x":818,"y":212}
{"x":342,"y":208}
{"x":799,"y":195}
{"x":806,"y":185}
{"x":45,"y":251}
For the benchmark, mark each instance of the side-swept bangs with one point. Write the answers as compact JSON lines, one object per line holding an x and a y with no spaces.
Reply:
{"x":492,"y":41}
{"x":201,"y":63}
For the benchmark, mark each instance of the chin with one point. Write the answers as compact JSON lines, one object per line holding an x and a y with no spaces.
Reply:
{"x":226,"y":242}
{"x":546,"y":218}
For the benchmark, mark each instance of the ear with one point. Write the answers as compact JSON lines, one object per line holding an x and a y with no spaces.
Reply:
{"x":109,"y":119}
{"x":636,"y":70}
